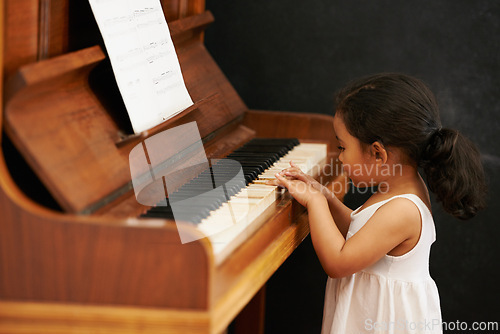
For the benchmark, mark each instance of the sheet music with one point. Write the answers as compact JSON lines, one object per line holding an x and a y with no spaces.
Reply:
{"x":143,"y":58}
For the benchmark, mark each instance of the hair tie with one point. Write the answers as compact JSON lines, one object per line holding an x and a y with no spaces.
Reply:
{"x":433,"y":141}
{"x":435,"y":135}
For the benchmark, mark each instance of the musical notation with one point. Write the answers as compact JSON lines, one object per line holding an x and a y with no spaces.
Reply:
{"x":144,"y":60}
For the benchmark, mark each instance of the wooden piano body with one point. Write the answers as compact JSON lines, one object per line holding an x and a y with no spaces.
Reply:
{"x":91,"y":265}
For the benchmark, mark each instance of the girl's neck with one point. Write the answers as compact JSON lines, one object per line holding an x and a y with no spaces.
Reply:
{"x":404,"y":179}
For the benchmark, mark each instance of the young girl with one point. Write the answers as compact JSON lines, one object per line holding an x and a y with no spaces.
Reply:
{"x":377,"y":256}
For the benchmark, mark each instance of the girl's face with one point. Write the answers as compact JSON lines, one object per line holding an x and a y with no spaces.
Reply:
{"x":358,"y":163}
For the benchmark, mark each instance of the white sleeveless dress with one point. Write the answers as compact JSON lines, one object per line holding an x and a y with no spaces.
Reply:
{"x":394,"y":295}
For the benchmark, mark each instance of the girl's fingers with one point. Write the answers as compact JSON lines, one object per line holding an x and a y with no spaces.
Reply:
{"x":298,"y":174}
{"x":279,"y":176}
{"x":294,"y":170}
{"x":273,"y":182}
{"x":282,"y":180}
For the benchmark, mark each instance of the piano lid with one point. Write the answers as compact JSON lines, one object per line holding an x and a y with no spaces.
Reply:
{"x":64,"y":113}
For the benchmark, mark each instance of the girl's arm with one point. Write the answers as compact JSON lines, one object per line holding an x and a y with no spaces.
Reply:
{"x":340,"y":212}
{"x":392,"y":224}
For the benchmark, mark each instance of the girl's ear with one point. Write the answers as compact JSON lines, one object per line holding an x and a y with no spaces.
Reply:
{"x":379,"y":152}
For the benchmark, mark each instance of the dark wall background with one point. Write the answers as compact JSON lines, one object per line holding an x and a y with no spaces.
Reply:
{"x":293,"y":55}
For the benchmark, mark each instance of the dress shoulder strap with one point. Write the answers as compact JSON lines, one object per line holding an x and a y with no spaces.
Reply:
{"x":425,"y":213}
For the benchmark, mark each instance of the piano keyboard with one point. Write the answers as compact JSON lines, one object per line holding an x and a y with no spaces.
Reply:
{"x":229,"y":216}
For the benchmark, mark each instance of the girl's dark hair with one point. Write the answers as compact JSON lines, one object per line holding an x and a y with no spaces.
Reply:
{"x":400,"y":111}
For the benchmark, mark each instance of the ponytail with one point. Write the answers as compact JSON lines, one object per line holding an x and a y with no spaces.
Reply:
{"x":454,"y":173}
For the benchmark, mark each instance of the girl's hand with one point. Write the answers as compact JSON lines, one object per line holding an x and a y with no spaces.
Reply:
{"x":295,"y":173}
{"x":303,"y":192}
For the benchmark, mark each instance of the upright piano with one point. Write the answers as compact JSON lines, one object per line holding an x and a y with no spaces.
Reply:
{"x":77,"y":254}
